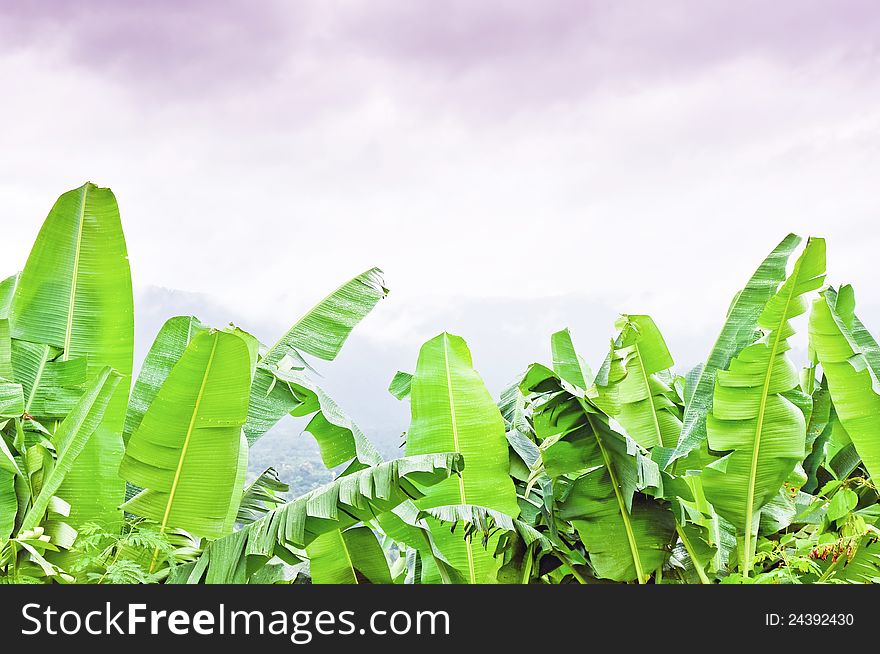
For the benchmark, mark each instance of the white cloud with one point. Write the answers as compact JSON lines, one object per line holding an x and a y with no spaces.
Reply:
{"x":651,"y":193}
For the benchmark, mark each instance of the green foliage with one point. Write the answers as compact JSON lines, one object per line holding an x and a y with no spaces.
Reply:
{"x":103,"y":557}
{"x":746,"y":470}
{"x":74,"y":294}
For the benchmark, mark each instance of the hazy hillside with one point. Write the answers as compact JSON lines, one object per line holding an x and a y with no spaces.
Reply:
{"x":296,"y":457}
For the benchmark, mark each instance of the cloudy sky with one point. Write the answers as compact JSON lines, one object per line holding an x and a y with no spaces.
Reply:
{"x":514,"y":167}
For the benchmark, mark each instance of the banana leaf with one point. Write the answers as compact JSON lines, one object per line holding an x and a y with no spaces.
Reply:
{"x":597,"y":477}
{"x":345,"y":502}
{"x":850,"y":359}
{"x":453,"y":412}
{"x":324,"y":329}
{"x":7,"y":289}
{"x":755,"y":421}
{"x":738,"y":331}
{"x":71,"y":438}
{"x":634,"y":386}
{"x":189,"y":453}
{"x":167,"y":348}
{"x":75,"y":294}
{"x":352,"y":556}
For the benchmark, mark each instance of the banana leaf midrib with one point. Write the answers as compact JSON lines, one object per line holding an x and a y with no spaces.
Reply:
{"x":624,"y":514}
{"x":189,"y":431}
{"x":348,"y":559}
{"x":44,"y":359}
{"x":71,"y":305}
{"x":753,"y":473}
{"x":657,"y":432}
{"x":468,"y":545}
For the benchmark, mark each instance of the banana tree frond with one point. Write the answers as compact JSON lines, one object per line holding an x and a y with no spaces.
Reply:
{"x":567,"y":363}
{"x":400,"y":385}
{"x":738,"y":332}
{"x":7,"y":290}
{"x":75,"y":294}
{"x":350,"y":556}
{"x":850,"y":359}
{"x":264,"y":494}
{"x":71,"y":439}
{"x":167,"y":348}
{"x":325,"y":328}
{"x":358,"y":497}
{"x":453,"y":411}
{"x":634,"y":386}
{"x":598,"y":475}
{"x":755,"y":421}
{"x":189,"y":454}
{"x":276,"y":393}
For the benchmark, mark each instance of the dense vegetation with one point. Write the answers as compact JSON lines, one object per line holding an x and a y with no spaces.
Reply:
{"x":747,"y":469}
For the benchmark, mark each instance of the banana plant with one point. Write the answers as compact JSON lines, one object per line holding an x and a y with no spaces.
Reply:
{"x":74,"y":294}
{"x":634,"y":385}
{"x":7,"y":289}
{"x":35,"y":518}
{"x":739,"y":330}
{"x":631,"y":475}
{"x":349,"y":556}
{"x":453,"y":412}
{"x":189,"y":453}
{"x":281,"y":385}
{"x":850,"y":359}
{"x":602,"y":480}
{"x":756,"y":421}
{"x":286,"y":531}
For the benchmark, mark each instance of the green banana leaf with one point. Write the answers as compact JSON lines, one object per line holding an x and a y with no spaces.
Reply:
{"x":597,"y":474}
{"x":189,"y":453}
{"x":862,"y":568}
{"x":405,"y":524}
{"x":453,"y":412}
{"x":276,"y":393}
{"x":263,"y":495}
{"x":352,"y":556}
{"x":71,"y":438}
{"x":850,"y":359}
{"x":358,"y":497}
{"x":11,"y":400}
{"x":634,"y":386}
{"x":567,"y":363}
{"x":51,"y":384}
{"x":738,"y":332}
{"x":512,"y":405}
{"x":8,"y":505}
{"x":166,"y":350}
{"x":321,"y":333}
{"x":754,"y":421}
{"x":7,"y":289}
{"x":819,"y":429}
{"x":267,"y":404}
{"x":75,"y":294}
{"x":400,"y":385}
{"x":324,"y":329}
{"x":270,"y":400}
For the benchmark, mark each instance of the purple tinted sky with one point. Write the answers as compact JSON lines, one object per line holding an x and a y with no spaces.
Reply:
{"x":589,"y":156}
